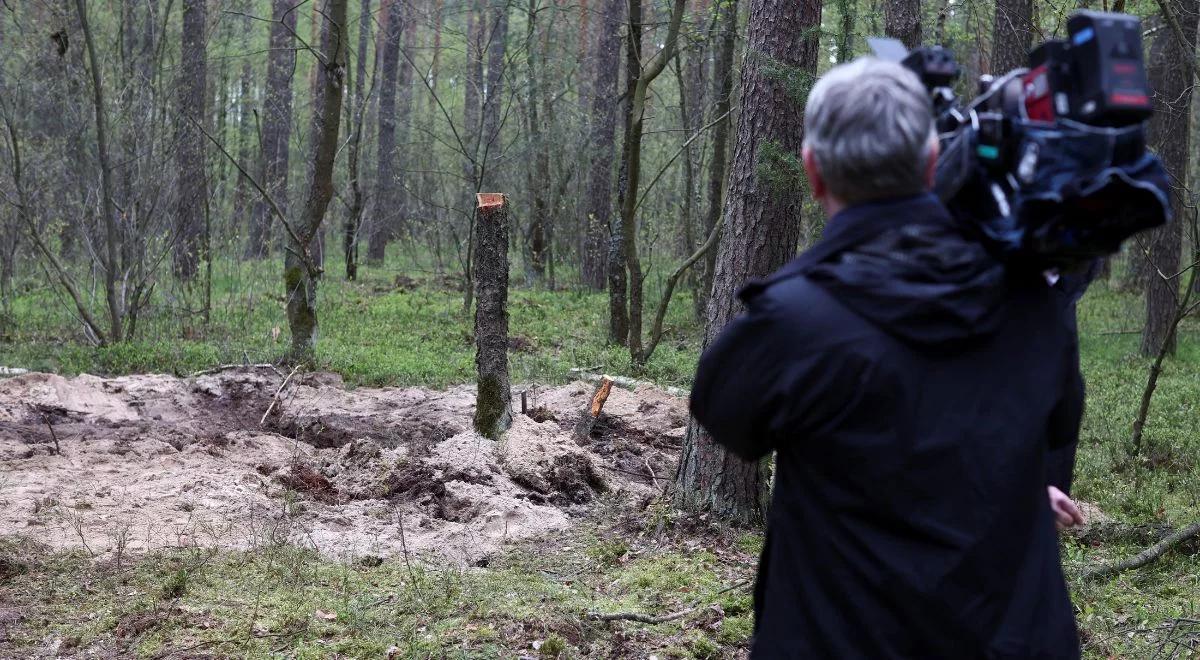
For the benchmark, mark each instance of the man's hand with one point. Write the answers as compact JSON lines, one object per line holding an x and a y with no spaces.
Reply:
{"x":1066,"y":513}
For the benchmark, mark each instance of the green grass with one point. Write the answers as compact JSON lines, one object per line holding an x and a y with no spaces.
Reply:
{"x":372,"y":331}
{"x":283,"y":599}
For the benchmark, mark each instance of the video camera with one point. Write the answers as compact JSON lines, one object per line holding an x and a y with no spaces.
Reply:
{"x":1049,"y":162}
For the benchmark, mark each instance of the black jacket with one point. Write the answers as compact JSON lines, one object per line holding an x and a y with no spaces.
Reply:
{"x":911,"y":387}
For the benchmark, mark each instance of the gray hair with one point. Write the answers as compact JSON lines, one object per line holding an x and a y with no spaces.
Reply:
{"x":869,"y":125}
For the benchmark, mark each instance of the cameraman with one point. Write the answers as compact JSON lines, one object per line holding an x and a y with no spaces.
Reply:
{"x":911,"y":386}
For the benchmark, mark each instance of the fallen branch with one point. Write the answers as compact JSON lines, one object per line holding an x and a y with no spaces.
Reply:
{"x":1113,"y":532}
{"x":275,"y":399}
{"x":655,"y":620}
{"x":1146,"y":556}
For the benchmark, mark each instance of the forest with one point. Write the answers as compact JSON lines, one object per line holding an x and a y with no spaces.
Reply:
{"x":364,"y":328}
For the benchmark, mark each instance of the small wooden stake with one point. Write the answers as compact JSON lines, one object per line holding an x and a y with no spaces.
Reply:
{"x":587,"y":421}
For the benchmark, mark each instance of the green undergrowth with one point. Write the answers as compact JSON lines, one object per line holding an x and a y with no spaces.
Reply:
{"x":285,"y":601}
{"x":388,"y":328}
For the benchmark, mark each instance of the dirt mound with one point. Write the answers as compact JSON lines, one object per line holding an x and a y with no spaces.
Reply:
{"x":246,"y":456}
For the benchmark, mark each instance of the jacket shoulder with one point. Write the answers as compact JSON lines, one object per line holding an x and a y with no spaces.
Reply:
{"x":805,"y":309}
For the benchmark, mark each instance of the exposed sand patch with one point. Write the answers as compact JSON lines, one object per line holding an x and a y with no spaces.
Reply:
{"x":155,"y":461}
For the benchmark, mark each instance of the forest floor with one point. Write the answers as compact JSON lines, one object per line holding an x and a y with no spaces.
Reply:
{"x":177,"y":522}
{"x":179,"y":505}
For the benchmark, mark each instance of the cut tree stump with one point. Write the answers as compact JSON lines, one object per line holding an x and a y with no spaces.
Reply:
{"x":493,"y":398}
{"x":587,"y":420}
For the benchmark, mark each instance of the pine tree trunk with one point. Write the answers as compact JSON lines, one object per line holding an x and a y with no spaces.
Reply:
{"x":493,"y":399}
{"x":723,"y":95}
{"x":472,"y":130}
{"x":848,"y":10}
{"x":493,"y":109}
{"x":1012,"y":35}
{"x":245,"y":137}
{"x":540,"y":153}
{"x":902,"y":20}
{"x":354,"y":218}
{"x":300,"y":270}
{"x":602,"y":147}
{"x":386,"y":186}
{"x":276,"y":125}
{"x":761,"y":229}
{"x":618,"y":289}
{"x":190,"y":153}
{"x":473,"y":91}
{"x":1169,"y":135}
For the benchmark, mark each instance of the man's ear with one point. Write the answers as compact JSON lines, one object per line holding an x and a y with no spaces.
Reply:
{"x":815,"y":181}
{"x":931,"y":166}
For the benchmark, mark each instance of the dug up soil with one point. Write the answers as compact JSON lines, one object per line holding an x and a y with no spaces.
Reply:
{"x":245,"y":457}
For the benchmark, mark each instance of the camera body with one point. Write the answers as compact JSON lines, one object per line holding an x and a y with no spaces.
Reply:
{"x":1049,"y":162}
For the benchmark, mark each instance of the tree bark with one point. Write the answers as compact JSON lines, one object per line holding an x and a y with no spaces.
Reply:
{"x":618,"y":289}
{"x":116,"y":307}
{"x":357,"y":203}
{"x":723,"y":95}
{"x":473,"y":91}
{"x":472,"y":130}
{"x":761,"y":228}
{"x":1169,"y":135}
{"x":633,"y":154}
{"x":902,"y":20}
{"x":276,"y":124}
{"x":540,"y":151}
{"x":493,"y":398}
{"x":848,"y":9}
{"x":602,"y":147}
{"x":193,"y":104}
{"x":300,"y":272}
{"x":1012,"y":35}
{"x":494,"y":91}
{"x":386,"y":193}
{"x":246,"y":132}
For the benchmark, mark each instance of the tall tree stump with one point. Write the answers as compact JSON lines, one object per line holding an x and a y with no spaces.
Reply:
{"x":493,"y":400}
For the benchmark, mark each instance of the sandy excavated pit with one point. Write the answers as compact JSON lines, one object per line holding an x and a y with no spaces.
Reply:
{"x":156,"y":461}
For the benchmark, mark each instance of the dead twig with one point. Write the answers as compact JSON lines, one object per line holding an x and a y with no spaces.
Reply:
{"x":412,"y":573}
{"x":53,"y":435}
{"x":275,"y":399}
{"x":655,"y":620}
{"x":1144,"y":557}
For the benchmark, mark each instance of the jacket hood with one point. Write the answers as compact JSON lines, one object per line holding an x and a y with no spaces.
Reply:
{"x":906,"y":267}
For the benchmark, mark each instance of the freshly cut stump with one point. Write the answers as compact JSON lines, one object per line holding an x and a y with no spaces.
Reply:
{"x":493,"y":400}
